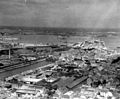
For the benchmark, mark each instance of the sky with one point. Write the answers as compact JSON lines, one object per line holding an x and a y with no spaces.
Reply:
{"x":60,"y":13}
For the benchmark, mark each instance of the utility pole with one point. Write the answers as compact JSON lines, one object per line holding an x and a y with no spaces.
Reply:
{"x":9,"y":48}
{"x":9,"y":53}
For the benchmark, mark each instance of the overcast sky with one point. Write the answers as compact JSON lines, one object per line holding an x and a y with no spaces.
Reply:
{"x":61,"y":13}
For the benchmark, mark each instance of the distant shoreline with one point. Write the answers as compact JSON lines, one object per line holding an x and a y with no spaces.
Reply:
{"x":22,"y":30}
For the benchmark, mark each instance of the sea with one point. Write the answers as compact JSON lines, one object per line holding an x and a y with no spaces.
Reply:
{"x":111,"y":42}
{"x":51,"y":35}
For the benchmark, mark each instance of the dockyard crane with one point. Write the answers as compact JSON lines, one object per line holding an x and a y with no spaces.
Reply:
{"x":3,"y":34}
